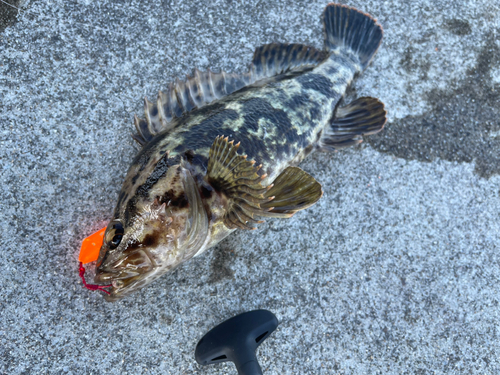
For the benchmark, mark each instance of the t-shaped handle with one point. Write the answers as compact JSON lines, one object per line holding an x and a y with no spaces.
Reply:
{"x":236,"y":339}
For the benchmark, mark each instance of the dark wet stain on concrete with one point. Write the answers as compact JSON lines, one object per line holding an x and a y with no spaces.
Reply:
{"x":458,"y":27}
{"x":463,"y":124}
{"x":412,"y":65}
{"x":219,"y":267}
{"x":8,"y":13}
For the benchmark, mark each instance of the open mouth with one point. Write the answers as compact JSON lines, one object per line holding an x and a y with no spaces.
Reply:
{"x":125,"y":272}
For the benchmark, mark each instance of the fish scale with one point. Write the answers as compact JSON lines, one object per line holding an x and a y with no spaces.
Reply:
{"x":298,"y":127}
{"x":220,"y":150}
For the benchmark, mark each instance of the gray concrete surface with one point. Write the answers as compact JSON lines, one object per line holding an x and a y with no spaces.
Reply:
{"x":395,"y":271}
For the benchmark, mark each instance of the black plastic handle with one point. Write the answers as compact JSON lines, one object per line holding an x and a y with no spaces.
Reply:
{"x":249,"y":368}
{"x":236,"y":339}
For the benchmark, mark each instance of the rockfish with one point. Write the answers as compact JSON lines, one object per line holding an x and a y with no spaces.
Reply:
{"x":221,"y":150}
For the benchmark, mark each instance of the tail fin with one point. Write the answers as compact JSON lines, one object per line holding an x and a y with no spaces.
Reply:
{"x":349,"y":29}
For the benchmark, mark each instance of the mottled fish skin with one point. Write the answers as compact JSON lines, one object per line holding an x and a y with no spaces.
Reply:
{"x":278,"y":125}
{"x":276,"y":121}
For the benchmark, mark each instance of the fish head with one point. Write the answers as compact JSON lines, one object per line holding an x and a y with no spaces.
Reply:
{"x":153,"y":234}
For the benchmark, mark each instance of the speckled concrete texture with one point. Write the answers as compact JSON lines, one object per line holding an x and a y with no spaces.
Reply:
{"x":396,"y":270}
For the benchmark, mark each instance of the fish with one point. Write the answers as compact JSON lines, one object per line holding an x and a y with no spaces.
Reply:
{"x":220,"y":151}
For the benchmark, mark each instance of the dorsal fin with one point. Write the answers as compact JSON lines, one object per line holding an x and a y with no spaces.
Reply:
{"x":203,"y":88}
{"x":274,"y":59}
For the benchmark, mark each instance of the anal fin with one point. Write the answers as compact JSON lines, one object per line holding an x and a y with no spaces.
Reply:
{"x":293,"y":190}
{"x":363,"y":116}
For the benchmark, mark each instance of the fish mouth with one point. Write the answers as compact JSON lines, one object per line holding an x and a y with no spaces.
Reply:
{"x":126,"y":273}
{"x":134,"y":268}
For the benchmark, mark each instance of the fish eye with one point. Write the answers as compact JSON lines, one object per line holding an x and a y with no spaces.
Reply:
{"x":114,"y":234}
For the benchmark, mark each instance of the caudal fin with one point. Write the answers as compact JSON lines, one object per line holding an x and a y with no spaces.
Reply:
{"x":353,"y":31}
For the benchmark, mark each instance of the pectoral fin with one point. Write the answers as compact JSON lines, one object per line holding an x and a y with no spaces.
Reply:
{"x":364,"y":116}
{"x":237,"y":178}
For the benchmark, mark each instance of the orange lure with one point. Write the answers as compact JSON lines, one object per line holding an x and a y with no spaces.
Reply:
{"x":89,"y":252}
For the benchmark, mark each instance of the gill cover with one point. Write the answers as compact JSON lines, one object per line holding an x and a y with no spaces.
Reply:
{"x":197,"y":231}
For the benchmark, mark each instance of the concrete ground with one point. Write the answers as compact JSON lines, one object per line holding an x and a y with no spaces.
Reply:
{"x":395,"y":271}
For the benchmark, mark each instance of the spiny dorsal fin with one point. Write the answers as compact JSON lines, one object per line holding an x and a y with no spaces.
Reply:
{"x":204,"y":87}
{"x":237,"y":178}
{"x":363,"y":116}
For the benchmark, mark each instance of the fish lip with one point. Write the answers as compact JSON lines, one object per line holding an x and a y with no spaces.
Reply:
{"x":106,"y":275}
{"x":118,"y":292}
{"x":112,"y":297}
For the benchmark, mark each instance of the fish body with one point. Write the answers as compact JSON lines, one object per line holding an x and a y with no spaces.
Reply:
{"x":220,"y":150}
